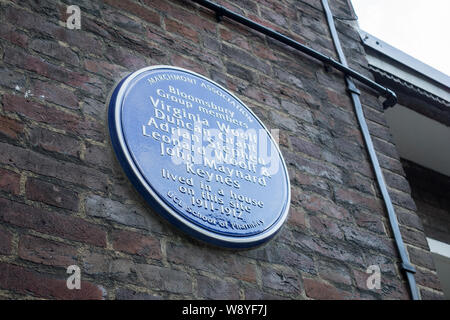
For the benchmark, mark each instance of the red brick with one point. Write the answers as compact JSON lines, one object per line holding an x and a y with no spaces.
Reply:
{"x":10,"y":127}
{"x":368,"y":239}
{"x":282,"y":280}
{"x":277,"y":17}
{"x":334,"y":249}
{"x":5,"y":241}
{"x":10,"y":33}
{"x":280,"y":253}
{"x":267,"y":23}
{"x":296,"y":217}
{"x":90,"y":128}
{"x":385,"y":147}
{"x":79,"y":38}
{"x":122,"y":21}
{"x":127,"y":294}
{"x":47,"y":166}
{"x":25,"y":281}
{"x":212,"y":261}
{"x":254,"y":293}
{"x":135,"y":243}
{"x":431,"y":295}
{"x":95,"y":263}
{"x":48,"y":91}
{"x":335,"y":272}
{"x":379,"y":131}
{"x":163,"y":278}
{"x":205,"y":22}
{"x":359,"y":166}
{"x":67,"y":76}
{"x":161,"y":5}
{"x":98,"y":155}
{"x":393,"y":289}
{"x":245,"y":58}
{"x":46,"y":252}
{"x":360,"y":183}
{"x":103,"y":68}
{"x":51,"y":223}
{"x":253,"y":92}
{"x":347,"y":149}
{"x":325,"y":227}
{"x":316,"y":203}
{"x":338,"y":99}
{"x":302,"y":111}
{"x":409,"y":218}
{"x":306,"y":147}
{"x":55,"y":50}
{"x":278,"y":6}
{"x":290,"y":78}
{"x":391,"y":164}
{"x":136,"y":9}
{"x":414,"y":237}
{"x":358,"y":199}
{"x":55,"y":142}
{"x":313,"y":167}
{"x":9,"y":181}
{"x":181,"y":29}
{"x":12,"y":79}
{"x":308,"y":182}
{"x":216,"y":288}
{"x":38,"y":112}
{"x":183,"y":62}
{"x":370,"y":222}
{"x":402,"y":199}
{"x":125,"y":57}
{"x":235,"y":38}
{"x":322,"y":291}
{"x":27,"y":61}
{"x":428,"y":279}
{"x":39,"y":190}
{"x":28,"y":20}
{"x":421,"y":257}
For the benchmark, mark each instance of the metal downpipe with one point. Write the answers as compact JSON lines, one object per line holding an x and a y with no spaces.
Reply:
{"x":406,"y":265}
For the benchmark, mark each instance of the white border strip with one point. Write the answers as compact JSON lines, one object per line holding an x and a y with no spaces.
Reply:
{"x":439,"y":247}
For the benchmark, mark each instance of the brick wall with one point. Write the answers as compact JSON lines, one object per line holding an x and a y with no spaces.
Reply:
{"x":431,"y":193}
{"x":64,"y":199}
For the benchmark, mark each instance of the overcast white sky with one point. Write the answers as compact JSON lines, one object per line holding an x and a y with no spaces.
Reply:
{"x":420,"y":28}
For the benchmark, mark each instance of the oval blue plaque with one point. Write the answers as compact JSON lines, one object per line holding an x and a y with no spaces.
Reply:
{"x":199,"y":156}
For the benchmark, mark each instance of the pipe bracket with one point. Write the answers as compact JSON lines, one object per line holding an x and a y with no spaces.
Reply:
{"x":408,"y":267}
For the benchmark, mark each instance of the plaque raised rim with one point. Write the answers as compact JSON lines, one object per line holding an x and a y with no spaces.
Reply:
{"x":114,"y":105}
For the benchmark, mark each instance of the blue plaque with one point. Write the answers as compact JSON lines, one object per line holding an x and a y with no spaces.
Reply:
{"x":199,"y":156}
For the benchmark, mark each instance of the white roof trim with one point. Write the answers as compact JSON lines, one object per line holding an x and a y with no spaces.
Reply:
{"x":403,"y":58}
